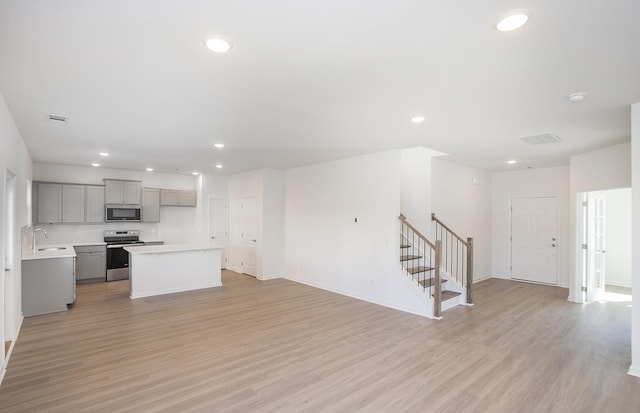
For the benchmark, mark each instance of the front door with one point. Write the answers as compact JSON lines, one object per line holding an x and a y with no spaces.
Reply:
{"x":534,"y":240}
{"x":218,"y":227}
{"x":250,"y":236}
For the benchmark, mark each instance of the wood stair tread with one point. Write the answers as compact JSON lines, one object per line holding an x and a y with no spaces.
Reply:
{"x":418,"y":269}
{"x":405,"y":246}
{"x":409,"y":257}
{"x":429,"y":282}
{"x":446,"y":294}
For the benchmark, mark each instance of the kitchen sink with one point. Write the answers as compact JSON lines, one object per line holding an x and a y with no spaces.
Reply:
{"x":52,"y":249}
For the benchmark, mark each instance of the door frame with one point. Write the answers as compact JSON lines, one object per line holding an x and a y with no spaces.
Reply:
{"x":254,"y":199}
{"x":226,"y":247}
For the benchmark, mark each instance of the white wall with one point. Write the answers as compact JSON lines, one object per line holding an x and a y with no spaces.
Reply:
{"x":324,"y":245}
{"x":607,"y":168}
{"x":635,"y":246}
{"x":273,"y":224}
{"x":177,"y":224}
{"x":526,"y":183}
{"x":15,"y":157}
{"x":415,"y":204}
{"x":618,"y":237}
{"x":465,"y":207}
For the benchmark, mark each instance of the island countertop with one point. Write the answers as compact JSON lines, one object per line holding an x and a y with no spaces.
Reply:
{"x":154,"y":249}
{"x":49,"y":251}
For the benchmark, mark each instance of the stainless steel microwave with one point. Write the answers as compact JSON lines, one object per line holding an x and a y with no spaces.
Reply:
{"x":120,"y":213}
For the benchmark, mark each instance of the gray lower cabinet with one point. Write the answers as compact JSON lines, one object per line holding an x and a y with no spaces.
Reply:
{"x":48,"y":285}
{"x":91,"y":263}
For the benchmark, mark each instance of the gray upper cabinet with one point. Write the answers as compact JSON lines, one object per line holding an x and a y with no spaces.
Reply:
{"x":150,"y":205}
{"x":73,"y":198}
{"x":49,"y":203}
{"x":174,"y":197}
{"x":113,"y":192}
{"x":123,"y":192}
{"x":187,"y":198}
{"x":67,"y":203}
{"x":95,"y":204}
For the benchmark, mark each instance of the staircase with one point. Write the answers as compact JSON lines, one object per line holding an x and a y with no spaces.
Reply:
{"x":428,"y":264}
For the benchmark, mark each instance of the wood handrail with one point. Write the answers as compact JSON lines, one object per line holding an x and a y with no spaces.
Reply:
{"x":422,"y":237}
{"x":433,"y":218}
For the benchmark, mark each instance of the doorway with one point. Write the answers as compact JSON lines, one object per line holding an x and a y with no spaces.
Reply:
{"x":9,"y":273}
{"x":605,"y":244}
{"x":534,"y":240}
{"x":218,"y":227}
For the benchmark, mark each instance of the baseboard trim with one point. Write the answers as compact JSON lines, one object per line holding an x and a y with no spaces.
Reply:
{"x":634,"y":370}
{"x":615,"y":284}
{"x":13,"y":344}
{"x":362,"y":298}
{"x":269,"y":277}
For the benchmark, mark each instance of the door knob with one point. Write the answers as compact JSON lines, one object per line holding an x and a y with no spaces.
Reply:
{"x":553,"y":239}
{"x":553,"y":245}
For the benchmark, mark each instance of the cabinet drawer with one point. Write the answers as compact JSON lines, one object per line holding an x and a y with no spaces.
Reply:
{"x":90,"y":248}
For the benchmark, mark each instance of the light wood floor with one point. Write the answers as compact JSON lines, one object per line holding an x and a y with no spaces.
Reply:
{"x":278,"y":346}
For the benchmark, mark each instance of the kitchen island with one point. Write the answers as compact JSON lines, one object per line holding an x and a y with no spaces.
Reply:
{"x":165,"y":269}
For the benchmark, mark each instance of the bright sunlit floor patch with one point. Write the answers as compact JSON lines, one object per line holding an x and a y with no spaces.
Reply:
{"x":620,"y":296}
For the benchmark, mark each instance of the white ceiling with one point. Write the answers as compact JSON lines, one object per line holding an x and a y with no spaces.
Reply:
{"x":309,"y":81}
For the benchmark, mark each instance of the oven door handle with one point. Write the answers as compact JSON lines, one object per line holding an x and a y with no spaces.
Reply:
{"x":124,"y":245}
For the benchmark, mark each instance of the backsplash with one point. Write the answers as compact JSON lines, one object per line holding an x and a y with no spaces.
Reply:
{"x":68,"y":234}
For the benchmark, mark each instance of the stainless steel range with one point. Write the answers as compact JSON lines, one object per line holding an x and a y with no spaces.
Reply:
{"x":117,"y":257}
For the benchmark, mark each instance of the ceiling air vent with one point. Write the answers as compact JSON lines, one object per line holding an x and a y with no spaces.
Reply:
{"x":57,"y":118}
{"x":541,"y":139}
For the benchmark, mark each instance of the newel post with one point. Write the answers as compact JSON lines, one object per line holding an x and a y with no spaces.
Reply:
{"x":469,"y":270}
{"x":437,"y":296}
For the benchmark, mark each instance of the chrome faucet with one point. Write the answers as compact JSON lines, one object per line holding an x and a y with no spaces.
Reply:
{"x":33,"y":243}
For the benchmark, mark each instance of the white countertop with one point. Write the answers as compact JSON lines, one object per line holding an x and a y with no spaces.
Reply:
{"x":66,"y":251}
{"x":154,"y":249}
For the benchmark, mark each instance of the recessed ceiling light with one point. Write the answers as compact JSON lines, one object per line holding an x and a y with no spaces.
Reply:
{"x":149,"y":169}
{"x":195,"y":173}
{"x":512,"y":20}
{"x":511,"y":162}
{"x":218,"y":166}
{"x":577,"y":97}
{"x":95,"y":164}
{"x":218,"y":45}
{"x":105,"y":154}
{"x":417,"y":119}
{"x":219,"y":145}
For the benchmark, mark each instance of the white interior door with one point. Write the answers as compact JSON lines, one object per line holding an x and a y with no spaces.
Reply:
{"x":250,"y":237}
{"x":595,"y":245}
{"x":218,"y":227}
{"x":534,"y":239}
